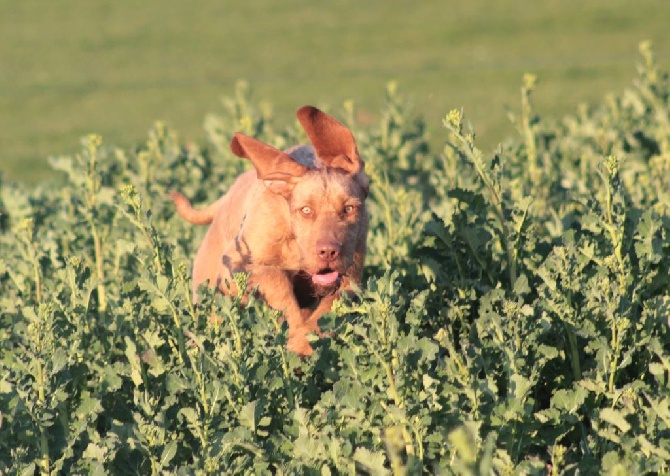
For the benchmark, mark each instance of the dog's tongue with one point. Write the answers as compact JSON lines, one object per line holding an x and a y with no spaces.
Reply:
{"x":325,"y":279}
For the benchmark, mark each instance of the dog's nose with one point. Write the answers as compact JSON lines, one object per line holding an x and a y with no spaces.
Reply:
{"x":327,"y":250}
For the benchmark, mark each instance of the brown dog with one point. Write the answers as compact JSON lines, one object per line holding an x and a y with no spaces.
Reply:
{"x":297,"y":224}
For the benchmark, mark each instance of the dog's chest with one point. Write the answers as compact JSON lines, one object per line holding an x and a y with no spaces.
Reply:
{"x":304,"y":291}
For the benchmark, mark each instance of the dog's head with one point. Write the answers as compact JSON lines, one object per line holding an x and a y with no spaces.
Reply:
{"x":326,"y":200}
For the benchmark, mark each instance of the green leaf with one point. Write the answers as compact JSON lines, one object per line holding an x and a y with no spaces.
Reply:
{"x":134,"y":360}
{"x":88,"y":406}
{"x":28,"y":470}
{"x":5,"y":386}
{"x":249,"y":415}
{"x":616,"y":418}
{"x":59,"y":360}
{"x":169,"y":452}
{"x":371,"y":462}
{"x":112,"y":381}
{"x":190,"y":415}
{"x":95,"y":452}
{"x":571,"y":400}
{"x":463,"y":443}
{"x":125,"y":247}
{"x":656,"y":368}
{"x":520,"y":386}
{"x":521,"y":286}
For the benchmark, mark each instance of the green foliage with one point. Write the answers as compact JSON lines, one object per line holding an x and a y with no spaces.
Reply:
{"x":514,"y":318}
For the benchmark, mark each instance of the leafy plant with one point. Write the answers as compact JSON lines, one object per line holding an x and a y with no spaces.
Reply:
{"x":514,"y":317}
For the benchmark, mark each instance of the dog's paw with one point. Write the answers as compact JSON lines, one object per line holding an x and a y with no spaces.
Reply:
{"x":326,"y":334}
{"x":300,"y":345}
{"x":311,"y":325}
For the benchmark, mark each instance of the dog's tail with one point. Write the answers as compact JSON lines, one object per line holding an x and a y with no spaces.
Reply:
{"x":190,"y":214}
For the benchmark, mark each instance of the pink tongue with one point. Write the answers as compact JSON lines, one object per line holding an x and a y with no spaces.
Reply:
{"x":325,"y":279}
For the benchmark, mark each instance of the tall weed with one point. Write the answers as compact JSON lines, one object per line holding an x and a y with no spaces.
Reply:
{"x":514,"y":316}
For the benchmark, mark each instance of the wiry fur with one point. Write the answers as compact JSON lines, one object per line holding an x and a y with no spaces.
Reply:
{"x":297,"y":223}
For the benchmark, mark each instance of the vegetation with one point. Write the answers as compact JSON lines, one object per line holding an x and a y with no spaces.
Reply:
{"x":514,"y":317}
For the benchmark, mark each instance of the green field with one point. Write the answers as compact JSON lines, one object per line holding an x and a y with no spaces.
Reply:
{"x":68,"y":68}
{"x":513,"y":317}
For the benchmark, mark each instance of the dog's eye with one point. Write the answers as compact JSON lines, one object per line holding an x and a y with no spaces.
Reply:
{"x":306,"y":210}
{"x":348,"y":209}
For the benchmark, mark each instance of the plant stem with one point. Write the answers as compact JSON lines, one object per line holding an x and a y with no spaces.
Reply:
{"x":615,"y":357}
{"x":99,"y":262}
{"x":469,"y":149}
{"x":38,"y":279}
{"x":178,"y":325}
{"x":92,"y":189}
{"x":397,"y":399}
{"x":574,"y":354}
{"x":392,"y":385}
{"x":528,"y":132}
{"x":44,"y":462}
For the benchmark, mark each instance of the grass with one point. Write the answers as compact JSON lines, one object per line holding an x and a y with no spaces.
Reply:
{"x":68,"y":68}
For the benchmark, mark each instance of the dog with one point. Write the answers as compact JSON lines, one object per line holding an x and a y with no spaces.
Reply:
{"x":296,"y":223}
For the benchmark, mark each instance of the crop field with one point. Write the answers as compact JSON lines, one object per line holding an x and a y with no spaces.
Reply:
{"x":70,"y":68}
{"x":513,"y":320}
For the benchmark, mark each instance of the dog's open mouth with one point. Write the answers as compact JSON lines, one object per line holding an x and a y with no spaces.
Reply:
{"x":325,"y":277}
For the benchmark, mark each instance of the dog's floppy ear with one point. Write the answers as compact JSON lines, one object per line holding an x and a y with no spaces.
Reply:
{"x":276,"y":168}
{"x":333,"y":141}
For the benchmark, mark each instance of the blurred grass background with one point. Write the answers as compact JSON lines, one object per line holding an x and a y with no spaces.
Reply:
{"x":69,"y":68}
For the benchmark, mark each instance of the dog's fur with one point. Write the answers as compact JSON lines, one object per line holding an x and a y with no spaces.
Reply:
{"x":297,"y":223}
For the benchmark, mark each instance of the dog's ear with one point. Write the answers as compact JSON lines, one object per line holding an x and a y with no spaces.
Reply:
{"x":333,"y":141}
{"x":277,"y":169}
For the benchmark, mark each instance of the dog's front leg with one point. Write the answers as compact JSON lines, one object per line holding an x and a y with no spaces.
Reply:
{"x":326,"y":304}
{"x":276,"y":288}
